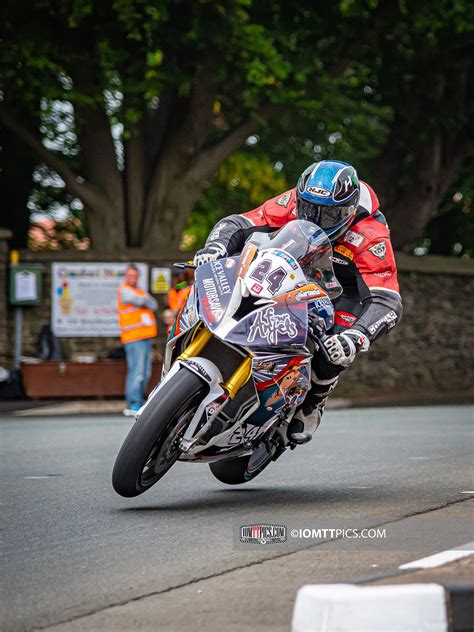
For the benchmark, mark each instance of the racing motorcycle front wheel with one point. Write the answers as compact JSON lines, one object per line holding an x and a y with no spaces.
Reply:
{"x":152,"y":445}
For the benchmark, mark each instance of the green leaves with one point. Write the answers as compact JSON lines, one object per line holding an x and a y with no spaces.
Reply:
{"x":344,"y":75}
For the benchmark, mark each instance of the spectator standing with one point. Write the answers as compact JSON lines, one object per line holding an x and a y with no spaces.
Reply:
{"x":177,"y":294}
{"x":137,"y":329}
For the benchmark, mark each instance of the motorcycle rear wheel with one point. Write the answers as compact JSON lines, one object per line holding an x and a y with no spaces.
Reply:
{"x":235,"y":471}
{"x":151,"y":446}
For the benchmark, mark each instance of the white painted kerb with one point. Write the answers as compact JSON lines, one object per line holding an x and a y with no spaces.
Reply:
{"x":349,"y":608}
{"x":444,"y":557}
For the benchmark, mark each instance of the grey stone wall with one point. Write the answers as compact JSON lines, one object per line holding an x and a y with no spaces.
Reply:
{"x":430,"y":351}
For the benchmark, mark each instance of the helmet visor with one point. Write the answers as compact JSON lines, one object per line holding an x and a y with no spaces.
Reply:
{"x":325,"y":216}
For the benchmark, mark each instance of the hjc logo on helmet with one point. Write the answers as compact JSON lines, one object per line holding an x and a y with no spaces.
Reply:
{"x":318,"y":191}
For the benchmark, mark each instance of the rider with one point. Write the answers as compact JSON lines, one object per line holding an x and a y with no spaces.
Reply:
{"x":330,"y":194}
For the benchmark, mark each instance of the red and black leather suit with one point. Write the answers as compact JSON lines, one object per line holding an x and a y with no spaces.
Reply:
{"x":363,"y":260}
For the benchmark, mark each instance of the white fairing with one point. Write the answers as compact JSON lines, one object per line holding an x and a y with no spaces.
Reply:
{"x":273,"y":272}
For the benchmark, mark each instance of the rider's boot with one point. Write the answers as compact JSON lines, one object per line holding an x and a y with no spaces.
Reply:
{"x":308,"y":416}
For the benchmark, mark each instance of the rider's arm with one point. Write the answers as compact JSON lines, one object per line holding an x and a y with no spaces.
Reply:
{"x":378,"y":288}
{"x":232,"y":232}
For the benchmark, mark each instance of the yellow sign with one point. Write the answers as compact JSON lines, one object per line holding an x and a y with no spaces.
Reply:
{"x":160,"y":280}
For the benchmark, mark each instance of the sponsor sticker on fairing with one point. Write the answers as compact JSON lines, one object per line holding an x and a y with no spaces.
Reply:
{"x":197,"y":368}
{"x":270,"y":326}
{"x":289,"y":260}
{"x":221,"y":277}
{"x":256,"y":288}
{"x":212,"y":298}
{"x":309,"y":294}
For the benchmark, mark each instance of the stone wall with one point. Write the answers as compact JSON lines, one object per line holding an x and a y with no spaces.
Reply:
{"x":430,"y":351}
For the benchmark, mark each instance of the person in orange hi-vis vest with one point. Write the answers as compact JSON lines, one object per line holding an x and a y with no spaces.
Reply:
{"x":137,"y":329}
{"x":179,"y":293}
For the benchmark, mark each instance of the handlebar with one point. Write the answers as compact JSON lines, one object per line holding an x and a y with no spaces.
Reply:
{"x":185,"y":264}
{"x":317,"y":328}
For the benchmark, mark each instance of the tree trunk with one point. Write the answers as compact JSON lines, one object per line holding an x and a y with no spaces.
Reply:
{"x":16,"y":179}
{"x":135,"y":177}
{"x":436,"y":169}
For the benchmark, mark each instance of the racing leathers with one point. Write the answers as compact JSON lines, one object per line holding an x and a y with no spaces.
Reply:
{"x":364,"y":265}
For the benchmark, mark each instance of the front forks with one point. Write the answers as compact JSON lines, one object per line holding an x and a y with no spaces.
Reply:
{"x":219,"y":395}
{"x":239,"y":377}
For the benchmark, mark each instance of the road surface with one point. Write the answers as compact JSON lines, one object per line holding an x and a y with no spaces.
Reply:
{"x":71,"y":546}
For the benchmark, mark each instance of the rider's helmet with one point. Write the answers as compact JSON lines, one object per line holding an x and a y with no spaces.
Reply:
{"x":327,"y":194}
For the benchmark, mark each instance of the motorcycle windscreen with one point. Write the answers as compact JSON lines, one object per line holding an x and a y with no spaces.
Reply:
{"x":272,"y":326}
{"x":215,"y":283}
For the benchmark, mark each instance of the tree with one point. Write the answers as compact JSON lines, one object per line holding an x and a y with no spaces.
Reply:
{"x":242,"y":182}
{"x":140,"y":103}
{"x":162,"y":94}
{"x":429,"y":89}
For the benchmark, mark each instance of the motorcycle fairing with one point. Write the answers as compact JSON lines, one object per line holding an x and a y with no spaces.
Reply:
{"x":221,"y":297}
{"x":281,"y":381}
{"x":215,"y":285}
{"x":255,"y":301}
{"x":270,"y":326}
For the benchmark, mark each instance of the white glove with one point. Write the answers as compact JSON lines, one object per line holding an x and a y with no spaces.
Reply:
{"x":343,"y":348}
{"x":210,"y":253}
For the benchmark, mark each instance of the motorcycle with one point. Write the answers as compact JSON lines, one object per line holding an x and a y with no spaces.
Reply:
{"x":237,"y":362}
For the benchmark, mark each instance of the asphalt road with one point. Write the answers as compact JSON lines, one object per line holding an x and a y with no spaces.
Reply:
{"x":71,"y":546}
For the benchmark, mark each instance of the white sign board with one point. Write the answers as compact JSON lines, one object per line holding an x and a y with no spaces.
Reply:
{"x":84,"y":297}
{"x":25,"y":286}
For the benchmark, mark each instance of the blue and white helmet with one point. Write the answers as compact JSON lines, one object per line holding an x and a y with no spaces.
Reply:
{"x":328,"y":194}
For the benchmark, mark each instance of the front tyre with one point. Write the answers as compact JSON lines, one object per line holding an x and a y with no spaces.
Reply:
{"x":152,"y":445}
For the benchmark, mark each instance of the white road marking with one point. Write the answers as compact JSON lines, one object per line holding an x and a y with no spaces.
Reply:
{"x":468,"y":492}
{"x":441,"y":558}
{"x":35,"y":477}
{"x":47,"y":476}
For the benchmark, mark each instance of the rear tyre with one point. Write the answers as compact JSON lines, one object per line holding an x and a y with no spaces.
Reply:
{"x":236,"y":471}
{"x":152,"y":445}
